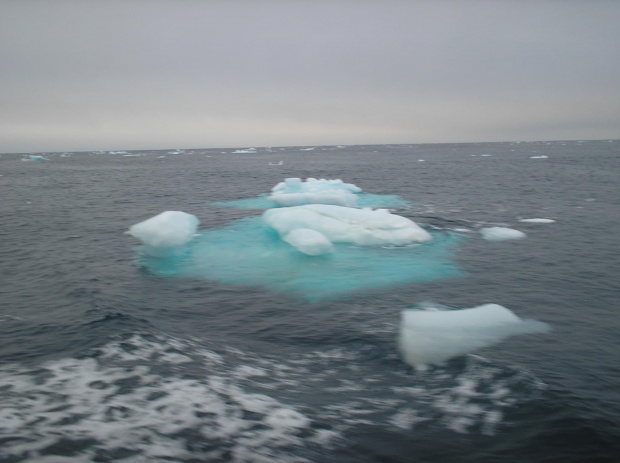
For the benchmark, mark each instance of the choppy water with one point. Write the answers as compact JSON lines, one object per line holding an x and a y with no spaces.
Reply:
{"x":105,"y":359}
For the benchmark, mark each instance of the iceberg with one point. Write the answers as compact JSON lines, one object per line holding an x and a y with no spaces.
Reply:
{"x":434,"y":336}
{"x":310,"y":242}
{"x":501,"y":234}
{"x":295,"y":192}
{"x":312,"y":251}
{"x":167,"y":230}
{"x":339,"y":224}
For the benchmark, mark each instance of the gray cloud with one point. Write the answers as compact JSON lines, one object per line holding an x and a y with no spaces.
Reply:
{"x":158,"y":74}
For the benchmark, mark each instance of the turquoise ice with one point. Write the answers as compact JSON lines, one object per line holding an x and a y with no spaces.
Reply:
{"x":249,"y":253}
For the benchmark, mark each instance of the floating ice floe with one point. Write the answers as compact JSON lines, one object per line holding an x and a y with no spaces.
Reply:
{"x":433,"y":336}
{"x":539,"y":157}
{"x":166,"y":231}
{"x":537,"y":220}
{"x":36,"y":158}
{"x":339,"y":224}
{"x":501,"y":234}
{"x":367,"y":248}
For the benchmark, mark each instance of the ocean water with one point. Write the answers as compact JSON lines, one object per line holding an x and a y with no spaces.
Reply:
{"x":240,"y":351}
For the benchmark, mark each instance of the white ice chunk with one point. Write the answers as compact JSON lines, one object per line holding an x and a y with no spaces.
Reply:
{"x":166,"y":230}
{"x":295,"y":192}
{"x":308,"y":241}
{"x":537,"y":220}
{"x":347,"y":225}
{"x":539,"y":157}
{"x":501,"y":234}
{"x":431,"y":337}
{"x":335,"y":197}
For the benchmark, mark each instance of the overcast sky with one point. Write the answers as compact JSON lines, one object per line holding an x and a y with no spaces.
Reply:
{"x":131,"y":74}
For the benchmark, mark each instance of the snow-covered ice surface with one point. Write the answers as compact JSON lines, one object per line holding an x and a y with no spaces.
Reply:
{"x":295,"y":192}
{"x":308,"y":241}
{"x":348,"y":225}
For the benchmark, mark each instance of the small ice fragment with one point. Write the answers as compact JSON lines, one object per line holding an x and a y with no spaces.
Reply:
{"x":310,"y":242}
{"x":537,"y":220}
{"x":166,"y":230}
{"x":36,"y":158}
{"x":501,"y":234}
{"x":432,"y":337}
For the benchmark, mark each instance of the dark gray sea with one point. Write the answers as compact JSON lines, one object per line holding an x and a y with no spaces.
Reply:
{"x":108,"y":357}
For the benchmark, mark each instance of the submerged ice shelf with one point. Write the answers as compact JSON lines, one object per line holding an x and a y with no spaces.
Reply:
{"x":250,"y":253}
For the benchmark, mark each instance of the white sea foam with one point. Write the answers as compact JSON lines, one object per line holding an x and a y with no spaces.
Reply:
{"x":348,"y":225}
{"x":166,"y":230}
{"x":434,"y":336}
{"x":501,"y":234}
{"x":539,"y":157}
{"x":118,"y":404}
{"x":134,"y":401}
